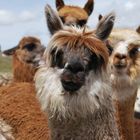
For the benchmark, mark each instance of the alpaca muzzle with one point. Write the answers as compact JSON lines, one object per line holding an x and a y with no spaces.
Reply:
{"x":73,"y":78}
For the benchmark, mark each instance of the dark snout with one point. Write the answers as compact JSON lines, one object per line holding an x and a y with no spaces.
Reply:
{"x":73,"y":77}
{"x":120,"y":61}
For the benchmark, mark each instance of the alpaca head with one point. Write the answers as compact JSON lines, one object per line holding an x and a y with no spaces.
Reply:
{"x":125,"y":62}
{"x":74,"y":14}
{"x":28,"y":51}
{"x":76,"y":60}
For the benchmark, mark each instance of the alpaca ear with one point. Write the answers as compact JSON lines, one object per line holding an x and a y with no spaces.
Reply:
{"x":10,"y":51}
{"x":105,"y":26}
{"x":89,"y":6}
{"x":59,"y":4}
{"x":54,"y":23}
{"x":138,"y":30}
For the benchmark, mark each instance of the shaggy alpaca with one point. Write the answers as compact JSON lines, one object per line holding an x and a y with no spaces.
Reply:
{"x":125,"y":79}
{"x":20,"y":114}
{"x":74,"y":14}
{"x":26,"y":58}
{"x":73,"y":86}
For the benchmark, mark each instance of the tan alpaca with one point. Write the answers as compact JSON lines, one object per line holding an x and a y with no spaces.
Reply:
{"x":74,"y":14}
{"x":125,"y":79}
{"x":73,"y":86}
{"x":26,"y":57}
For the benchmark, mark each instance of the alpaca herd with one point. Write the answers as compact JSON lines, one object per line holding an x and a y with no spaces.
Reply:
{"x":82,"y":86}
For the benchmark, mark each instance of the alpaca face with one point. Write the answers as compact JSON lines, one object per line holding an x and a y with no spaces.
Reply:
{"x":29,"y":51}
{"x":76,"y":64}
{"x":74,"y":14}
{"x":125,"y":60}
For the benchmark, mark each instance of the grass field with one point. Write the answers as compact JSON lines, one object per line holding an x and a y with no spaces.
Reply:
{"x":5,"y":64}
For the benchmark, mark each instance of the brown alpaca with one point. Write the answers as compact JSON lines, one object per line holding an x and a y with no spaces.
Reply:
{"x":125,"y":79}
{"x":20,"y":114}
{"x":74,"y":14}
{"x":26,"y":57}
{"x":73,"y":86}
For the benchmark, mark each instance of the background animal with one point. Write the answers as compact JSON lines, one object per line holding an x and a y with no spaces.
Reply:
{"x":125,"y":78}
{"x":26,"y":58}
{"x":74,"y":14}
{"x":72,"y":86}
{"x":20,"y":114}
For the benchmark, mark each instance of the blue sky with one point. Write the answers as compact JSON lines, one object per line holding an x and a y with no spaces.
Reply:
{"x":20,"y":18}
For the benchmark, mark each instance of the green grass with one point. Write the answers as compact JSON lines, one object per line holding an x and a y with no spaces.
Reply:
{"x":5,"y":64}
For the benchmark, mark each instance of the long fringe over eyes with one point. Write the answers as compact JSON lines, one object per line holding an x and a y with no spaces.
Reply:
{"x":77,"y":37}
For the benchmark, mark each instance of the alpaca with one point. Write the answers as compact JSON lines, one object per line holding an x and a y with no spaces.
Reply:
{"x":20,"y":114}
{"x":125,"y":79}
{"x":26,"y":58}
{"x":73,"y":84}
{"x":74,"y":14}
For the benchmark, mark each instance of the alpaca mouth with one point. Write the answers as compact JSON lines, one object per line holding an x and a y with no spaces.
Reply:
{"x":71,"y":86}
{"x":120,"y":66}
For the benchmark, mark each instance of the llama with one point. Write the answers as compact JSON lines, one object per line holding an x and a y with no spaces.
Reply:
{"x":73,"y":84}
{"x":26,"y":58}
{"x":125,"y":79}
{"x":74,"y":14}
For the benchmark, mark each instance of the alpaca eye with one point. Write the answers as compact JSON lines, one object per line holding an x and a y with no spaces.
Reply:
{"x":95,"y":62}
{"x":57,"y":58}
{"x":81,"y":22}
{"x":133,"y":52}
{"x":29,"y":47}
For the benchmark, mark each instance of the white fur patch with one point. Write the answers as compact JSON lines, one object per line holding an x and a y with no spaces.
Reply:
{"x":55,"y":99}
{"x":5,"y":131}
{"x":121,"y":48}
{"x":137,"y":103}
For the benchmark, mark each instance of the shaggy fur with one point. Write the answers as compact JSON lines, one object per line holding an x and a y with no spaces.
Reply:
{"x":86,"y":113}
{"x":26,"y":57}
{"x":125,"y":82}
{"x":21,"y":111}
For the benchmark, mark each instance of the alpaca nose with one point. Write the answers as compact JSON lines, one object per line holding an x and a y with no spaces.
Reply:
{"x":120,"y":56}
{"x":74,"y":67}
{"x":120,"y":60}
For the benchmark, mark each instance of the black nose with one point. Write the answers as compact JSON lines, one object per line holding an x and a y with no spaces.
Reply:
{"x":74,"y":67}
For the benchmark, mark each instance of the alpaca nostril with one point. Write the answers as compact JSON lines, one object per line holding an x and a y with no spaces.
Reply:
{"x":120,"y":56}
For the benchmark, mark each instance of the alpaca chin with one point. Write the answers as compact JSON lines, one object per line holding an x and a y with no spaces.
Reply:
{"x":55,"y":100}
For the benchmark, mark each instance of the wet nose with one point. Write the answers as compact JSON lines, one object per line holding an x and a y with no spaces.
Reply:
{"x":74,"y":67}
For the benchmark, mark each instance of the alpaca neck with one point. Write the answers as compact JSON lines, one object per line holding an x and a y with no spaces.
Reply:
{"x":98,"y":125}
{"x":125,"y":115}
{"x":22,"y":72}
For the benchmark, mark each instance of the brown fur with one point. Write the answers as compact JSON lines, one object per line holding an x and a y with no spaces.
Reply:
{"x":21,"y":111}
{"x":74,"y":14}
{"x":126,"y":122}
{"x":22,"y":72}
{"x":86,"y":39}
{"x":24,"y":66}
